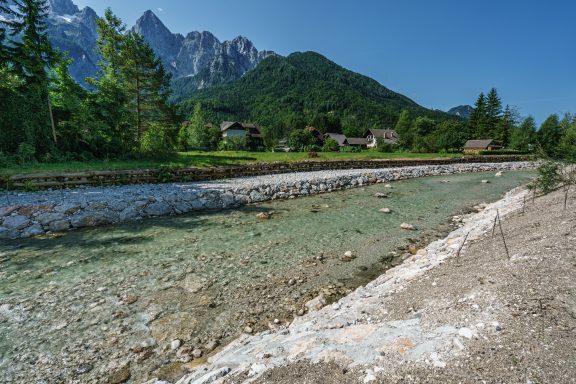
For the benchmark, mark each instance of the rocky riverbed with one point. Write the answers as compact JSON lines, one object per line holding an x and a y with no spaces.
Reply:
{"x":29,"y":214}
{"x":467,"y":308}
{"x":128,"y":303}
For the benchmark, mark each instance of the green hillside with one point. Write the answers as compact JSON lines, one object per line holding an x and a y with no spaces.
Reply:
{"x":303,"y":88}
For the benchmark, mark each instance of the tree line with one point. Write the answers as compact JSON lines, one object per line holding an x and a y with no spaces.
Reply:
{"x":45,"y":115}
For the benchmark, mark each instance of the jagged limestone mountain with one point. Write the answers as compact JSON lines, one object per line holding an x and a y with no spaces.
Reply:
{"x":200,"y":56}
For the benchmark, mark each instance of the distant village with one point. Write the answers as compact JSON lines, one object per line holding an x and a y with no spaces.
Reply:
{"x":373,"y":138}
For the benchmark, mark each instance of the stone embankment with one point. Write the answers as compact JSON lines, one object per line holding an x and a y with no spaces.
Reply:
{"x":28,"y":214}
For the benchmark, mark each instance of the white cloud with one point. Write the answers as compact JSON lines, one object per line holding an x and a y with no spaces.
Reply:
{"x":160,"y":9}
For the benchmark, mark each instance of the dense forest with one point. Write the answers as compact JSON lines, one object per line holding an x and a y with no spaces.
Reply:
{"x":132,"y":108}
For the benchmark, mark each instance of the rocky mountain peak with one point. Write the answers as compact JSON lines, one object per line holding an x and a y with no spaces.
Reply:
{"x":63,"y":7}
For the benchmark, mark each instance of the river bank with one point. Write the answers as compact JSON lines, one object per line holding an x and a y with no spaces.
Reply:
{"x":146,"y":299}
{"x":438,"y":318}
{"x":28,"y":214}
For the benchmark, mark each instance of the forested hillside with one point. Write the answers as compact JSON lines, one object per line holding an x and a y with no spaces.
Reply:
{"x":304,"y":88}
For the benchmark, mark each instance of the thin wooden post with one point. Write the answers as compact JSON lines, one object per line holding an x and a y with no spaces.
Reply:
{"x":524,"y":205}
{"x":502,"y":233}
{"x":460,"y":249}
{"x":494,"y":226}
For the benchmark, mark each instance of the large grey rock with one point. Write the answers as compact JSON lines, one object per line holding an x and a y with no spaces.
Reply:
{"x":47,"y":218}
{"x":59,"y":225}
{"x":6,"y":233}
{"x":33,"y":230}
{"x":89,"y":219}
{"x":158,"y":208}
{"x":16,"y":222}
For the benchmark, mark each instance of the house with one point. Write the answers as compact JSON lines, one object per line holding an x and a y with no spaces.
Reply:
{"x":237,"y":129}
{"x":475,"y":146}
{"x":360,"y":142}
{"x":338,"y":137}
{"x":389,"y":136}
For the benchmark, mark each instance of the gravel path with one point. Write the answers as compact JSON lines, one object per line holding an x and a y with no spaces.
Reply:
{"x":482,"y":317}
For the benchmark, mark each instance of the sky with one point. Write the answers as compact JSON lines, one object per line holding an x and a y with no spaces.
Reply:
{"x":440,"y":53}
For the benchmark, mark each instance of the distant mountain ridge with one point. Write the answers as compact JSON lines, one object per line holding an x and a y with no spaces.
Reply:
{"x":198,"y":55}
{"x":463,"y":111}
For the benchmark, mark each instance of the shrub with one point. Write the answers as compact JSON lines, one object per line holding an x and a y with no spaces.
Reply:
{"x":548,"y":177}
{"x":350,"y":149}
{"x":386,"y":147}
{"x":25,"y":153}
{"x":330,"y":145}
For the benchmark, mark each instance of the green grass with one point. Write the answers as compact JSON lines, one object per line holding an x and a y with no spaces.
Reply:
{"x":206,"y":159}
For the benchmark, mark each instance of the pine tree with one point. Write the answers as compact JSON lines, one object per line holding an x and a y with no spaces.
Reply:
{"x":32,"y":56}
{"x":493,"y":112}
{"x":146,"y":82}
{"x":504,"y":127}
{"x":478,"y":122}
{"x":4,"y":11}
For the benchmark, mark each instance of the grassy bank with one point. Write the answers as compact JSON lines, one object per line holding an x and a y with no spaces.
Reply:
{"x":206,"y":159}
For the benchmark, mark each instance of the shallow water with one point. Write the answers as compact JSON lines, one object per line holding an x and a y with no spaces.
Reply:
{"x":105,"y":296}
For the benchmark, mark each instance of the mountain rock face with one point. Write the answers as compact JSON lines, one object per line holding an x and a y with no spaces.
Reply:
{"x":463,"y":111}
{"x":199,"y":54}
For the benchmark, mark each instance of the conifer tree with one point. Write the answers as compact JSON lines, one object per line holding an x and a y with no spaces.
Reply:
{"x":32,"y":56}
{"x":4,"y":11}
{"x":146,"y":82}
{"x":493,"y":112}
{"x":478,"y":118}
{"x":504,"y":127}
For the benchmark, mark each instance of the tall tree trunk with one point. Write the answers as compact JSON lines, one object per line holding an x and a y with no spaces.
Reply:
{"x":138,"y":111}
{"x":52,"y":120}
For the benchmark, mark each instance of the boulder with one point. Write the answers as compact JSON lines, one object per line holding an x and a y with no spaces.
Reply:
{"x":408,"y":227}
{"x":386,"y":210}
{"x":16,"y":222}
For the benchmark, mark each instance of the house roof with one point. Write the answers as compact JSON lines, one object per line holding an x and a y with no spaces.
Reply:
{"x":252,"y":129}
{"x":340,"y":138}
{"x":386,"y":134}
{"x":357,"y":141}
{"x":475,"y":144}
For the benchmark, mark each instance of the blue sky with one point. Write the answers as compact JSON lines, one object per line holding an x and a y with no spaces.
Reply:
{"x":440,"y":53}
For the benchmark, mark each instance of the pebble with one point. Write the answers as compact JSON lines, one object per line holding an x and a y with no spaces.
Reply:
{"x":386,"y":210}
{"x":466,"y":332}
{"x":197,"y":353}
{"x":248,"y":329}
{"x":175,"y":344}
{"x":407,"y":226}
{"x":276,"y":321}
{"x":485,"y":181}
{"x":84,"y":368}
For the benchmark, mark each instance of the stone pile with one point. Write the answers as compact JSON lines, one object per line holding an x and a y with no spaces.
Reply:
{"x":28,"y":214}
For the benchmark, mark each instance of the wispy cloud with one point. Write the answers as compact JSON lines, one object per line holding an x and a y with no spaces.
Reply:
{"x":160,"y":9}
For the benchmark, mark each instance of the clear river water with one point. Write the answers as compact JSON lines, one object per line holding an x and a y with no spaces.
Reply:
{"x":87,"y":305}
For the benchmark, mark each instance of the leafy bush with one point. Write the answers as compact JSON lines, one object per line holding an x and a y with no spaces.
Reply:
{"x":330,"y":145}
{"x":548,"y":177}
{"x":25,"y":153}
{"x":156,"y":139}
{"x":386,"y":147}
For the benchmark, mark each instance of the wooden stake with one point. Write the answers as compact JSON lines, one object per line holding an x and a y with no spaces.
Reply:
{"x":524,"y":205}
{"x":494,"y":226}
{"x":460,"y":249}
{"x":502,"y":232}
